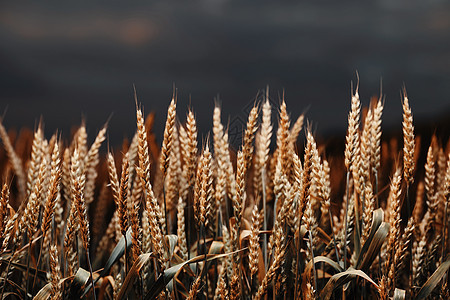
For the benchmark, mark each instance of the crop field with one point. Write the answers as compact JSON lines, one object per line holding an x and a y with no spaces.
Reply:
{"x":191,"y":217}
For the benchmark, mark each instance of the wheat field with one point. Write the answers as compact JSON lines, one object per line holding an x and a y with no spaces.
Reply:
{"x":278,"y":218}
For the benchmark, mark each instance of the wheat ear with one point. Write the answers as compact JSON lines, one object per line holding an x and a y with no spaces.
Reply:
{"x":253,"y":256}
{"x":173,"y":178}
{"x":351,"y":148}
{"x":277,"y":261}
{"x":283,"y":136}
{"x":55,"y":274}
{"x":249,"y":136}
{"x":430,"y":178}
{"x":408,"y":141}
{"x":376,"y":136}
{"x":36,"y":159}
{"x":195,"y":288}
{"x":167,"y":141}
{"x":394,"y":229}
{"x":15,"y":160}
{"x":92,"y":161}
{"x":181,"y":232}
{"x":136,"y":230}
{"x":152,"y":205}
{"x":53,"y":194}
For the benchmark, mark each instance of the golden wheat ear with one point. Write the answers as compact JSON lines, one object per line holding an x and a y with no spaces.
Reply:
{"x":92,"y":161}
{"x":16,"y":162}
{"x":408,"y":141}
{"x":4,"y":202}
{"x":167,"y":141}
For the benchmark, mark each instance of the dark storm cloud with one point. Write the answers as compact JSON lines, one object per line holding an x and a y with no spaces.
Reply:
{"x":63,"y":60}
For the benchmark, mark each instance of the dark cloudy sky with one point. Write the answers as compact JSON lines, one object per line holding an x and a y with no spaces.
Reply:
{"x":67,"y":60}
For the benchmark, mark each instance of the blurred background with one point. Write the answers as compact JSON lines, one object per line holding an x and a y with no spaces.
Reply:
{"x":65,"y":61}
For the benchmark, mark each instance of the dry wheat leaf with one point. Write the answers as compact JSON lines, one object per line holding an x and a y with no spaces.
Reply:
{"x":342,"y":278}
{"x":133,"y":274}
{"x":433,"y":281}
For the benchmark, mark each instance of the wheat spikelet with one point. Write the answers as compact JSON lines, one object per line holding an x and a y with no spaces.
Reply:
{"x":447,"y":179}
{"x":376,"y":136}
{"x":369,"y":207}
{"x":277,"y":261}
{"x":81,"y":144}
{"x":282,"y":189}
{"x":78,"y":184}
{"x":10,"y":231}
{"x":430,"y":178}
{"x":394,"y":229}
{"x":226,"y":181}
{"x":291,"y":206}
{"x":118,"y":281}
{"x":123,"y":197}
{"x":181,"y":232}
{"x":263,"y":147}
{"x":4,"y":202}
{"x":203,"y":185}
{"x":310,"y":225}
{"x":184,"y":176}
{"x":195,"y":288}
{"x":219,"y":157}
{"x":383,"y":289}
{"x":36,"y":159}
{"x":133,"y":155}
{"x":253,"y":256}
{"x":113,"y":178}
{"x":231,"y":178}
{"x":283,"y":136}
{"x":420,"y":201}
{"x":92,"y":161}
{"x":15,"y":160}
{"x":53,"y":194}
{"x":249,"y":136}
{"x":294,"y":132}
{"x":55,"y":274}
{"x":325,"y":192}
{"x":297,"y":187}
{"x":31,"y":212}
{"x":240,"y":188}
{"x":152,"y":205}
{"x":197,"y":191}
{"x":235,"y":292}
{"x":65,"y":177}
{"x":405,"y":243}
{"x":152,"y":208}
{"x":228,"y":247}
{"x":167,"y":141}
{"x":221,"y":292}
{"x":306,"y":174}
{"x":191,"y":147}
{"x":69,"y":237}
{"x":352,"y":138}
{"x":136,"y":231}
{"x":419,"y":259}
{"x":440,"y":185}
{"x":365,"y":150}
{"x":317,"y":188}
{"x":408,"y":141}
{"x":174,"y":172}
